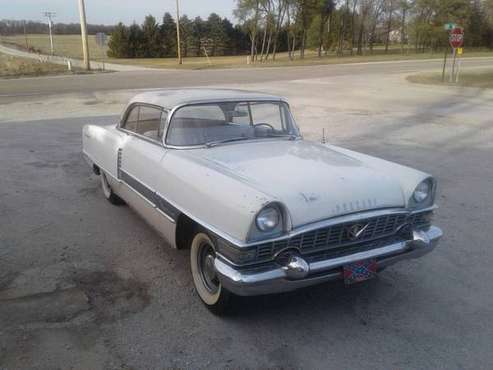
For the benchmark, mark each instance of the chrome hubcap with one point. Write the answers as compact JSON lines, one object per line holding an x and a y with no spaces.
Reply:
{"x":206,"y":267}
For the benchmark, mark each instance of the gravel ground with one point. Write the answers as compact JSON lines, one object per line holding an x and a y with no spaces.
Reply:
{"x":84,"y":284}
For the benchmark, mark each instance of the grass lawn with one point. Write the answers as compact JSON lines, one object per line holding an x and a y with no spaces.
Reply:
{"x":20,"y":67}
{"x":70,"y":46}
{"x":65,"y":45}
{"x":282,"y":60}
{"x":481,"y":79}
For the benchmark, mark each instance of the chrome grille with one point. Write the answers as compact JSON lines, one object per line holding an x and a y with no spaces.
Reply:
{"x":421,"y":220}
{"x":336,"y":236}
{"x":351,"y":249}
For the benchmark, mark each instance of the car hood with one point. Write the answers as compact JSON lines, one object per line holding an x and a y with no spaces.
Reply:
{"x":313,"y":181}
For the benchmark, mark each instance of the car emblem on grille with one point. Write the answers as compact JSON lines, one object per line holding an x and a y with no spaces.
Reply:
{"x":355,"y":231}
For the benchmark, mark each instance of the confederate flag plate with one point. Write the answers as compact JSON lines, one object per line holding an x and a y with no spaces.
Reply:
{"x":359,"y":271}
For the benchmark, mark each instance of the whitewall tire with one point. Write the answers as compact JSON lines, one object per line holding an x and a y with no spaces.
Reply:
{"x":207,"y":284}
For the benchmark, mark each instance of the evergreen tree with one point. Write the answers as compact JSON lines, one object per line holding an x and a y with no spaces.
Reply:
{"x":216,"y":32}
{"x":136,"y":41}
{"x":186,"y":30}
{"x":168,"y":35}
{"x":198,"y":32}
{"x":119,"y":42}
{"x":152,"y":37}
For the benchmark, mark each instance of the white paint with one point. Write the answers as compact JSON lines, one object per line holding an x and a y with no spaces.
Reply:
{"x":224,"y":187}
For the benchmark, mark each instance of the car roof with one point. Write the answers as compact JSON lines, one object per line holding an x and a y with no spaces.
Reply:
{"x":171,"y":98}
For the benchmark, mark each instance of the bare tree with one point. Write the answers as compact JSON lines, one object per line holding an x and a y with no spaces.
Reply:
{"x":376,"y":11}
{"x":343,"y":29}
{"x":248,"y":11}
{"x":281,"y":6}
{"x":405,"y":5}
{"x":390,"y":9}
{"x":364,"y":10}
{"x":325,"y":8}
{"x":353,"y":16}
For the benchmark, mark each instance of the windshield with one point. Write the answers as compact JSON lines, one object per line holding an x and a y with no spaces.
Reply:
{"x":213,"y":123}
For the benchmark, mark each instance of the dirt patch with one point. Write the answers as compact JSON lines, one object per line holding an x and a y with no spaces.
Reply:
{"x":101,"y":295}
{"x":110,"y":296}
{"x":482,"y":79}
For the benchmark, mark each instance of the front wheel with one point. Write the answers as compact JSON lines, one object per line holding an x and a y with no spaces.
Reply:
{"x":205,"y":279}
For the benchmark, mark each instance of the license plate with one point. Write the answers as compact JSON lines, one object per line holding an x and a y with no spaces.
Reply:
{"x":359,"y":271}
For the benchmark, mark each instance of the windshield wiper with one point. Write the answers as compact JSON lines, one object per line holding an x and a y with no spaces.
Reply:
{"x":232,"y":139}
{"x":289,"y":136}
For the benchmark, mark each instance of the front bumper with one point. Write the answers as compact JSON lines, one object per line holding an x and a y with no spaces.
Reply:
{"x":275,"y":278}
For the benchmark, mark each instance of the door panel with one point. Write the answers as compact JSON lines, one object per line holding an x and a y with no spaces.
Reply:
{"x":139,"y":164}
{"x":139,"y":171}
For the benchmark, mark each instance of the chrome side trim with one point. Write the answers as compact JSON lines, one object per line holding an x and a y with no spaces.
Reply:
{"x":172,"y":220}
{"x":153,"y":197}
{"x":166,"y":207}
{"x":138,"y":186}
{"x":119,"y":158}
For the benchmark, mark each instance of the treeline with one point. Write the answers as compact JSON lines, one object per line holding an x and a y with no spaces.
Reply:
{"x":16,"y":27}
{"x":213,"y":36}
{"x":357,"y":26}
{"x":266,"y":27}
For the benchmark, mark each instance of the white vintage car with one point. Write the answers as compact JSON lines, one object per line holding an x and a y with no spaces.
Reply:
{"x":227,"y":174}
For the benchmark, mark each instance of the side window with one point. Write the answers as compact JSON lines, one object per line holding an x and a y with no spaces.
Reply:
{"x":149,"y":123}
{"x":241,"y":115}
{"x":132,"y":118}
{"x":267,"y":113}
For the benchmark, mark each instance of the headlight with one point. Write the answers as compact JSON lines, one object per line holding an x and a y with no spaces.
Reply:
{"x":422,"y":192}
{"x":268,"y":219}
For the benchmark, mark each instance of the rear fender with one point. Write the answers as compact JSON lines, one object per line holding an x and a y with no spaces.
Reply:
{"x":100,"y":144}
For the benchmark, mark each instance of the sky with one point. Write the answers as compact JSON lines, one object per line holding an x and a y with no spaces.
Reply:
{"x":112,"y":11}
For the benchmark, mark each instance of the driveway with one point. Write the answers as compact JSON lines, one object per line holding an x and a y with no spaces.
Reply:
{"x":84,"y":284}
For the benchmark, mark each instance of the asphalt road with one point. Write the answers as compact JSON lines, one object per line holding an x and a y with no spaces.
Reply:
{"x":174,"y":78}
{"x":84,"y":284}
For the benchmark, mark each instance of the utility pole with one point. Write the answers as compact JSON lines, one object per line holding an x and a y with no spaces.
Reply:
{"x":178,"y":46}
{"x":83,"y":31}
{"x":50,"y":16}
{"x":25,"y":36}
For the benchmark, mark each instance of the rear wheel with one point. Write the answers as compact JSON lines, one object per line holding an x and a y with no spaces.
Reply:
{"x":108,"y":192}
{"x":205,"y":279}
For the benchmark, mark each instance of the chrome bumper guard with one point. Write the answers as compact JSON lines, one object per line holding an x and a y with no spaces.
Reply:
{"x":298,"y":273}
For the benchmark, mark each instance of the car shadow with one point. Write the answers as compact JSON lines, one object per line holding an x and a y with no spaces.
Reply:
{"x":325,"y":298}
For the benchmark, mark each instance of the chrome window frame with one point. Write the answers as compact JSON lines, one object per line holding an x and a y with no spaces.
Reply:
{"x":125,"y":115}
{"x":205,"y":101}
